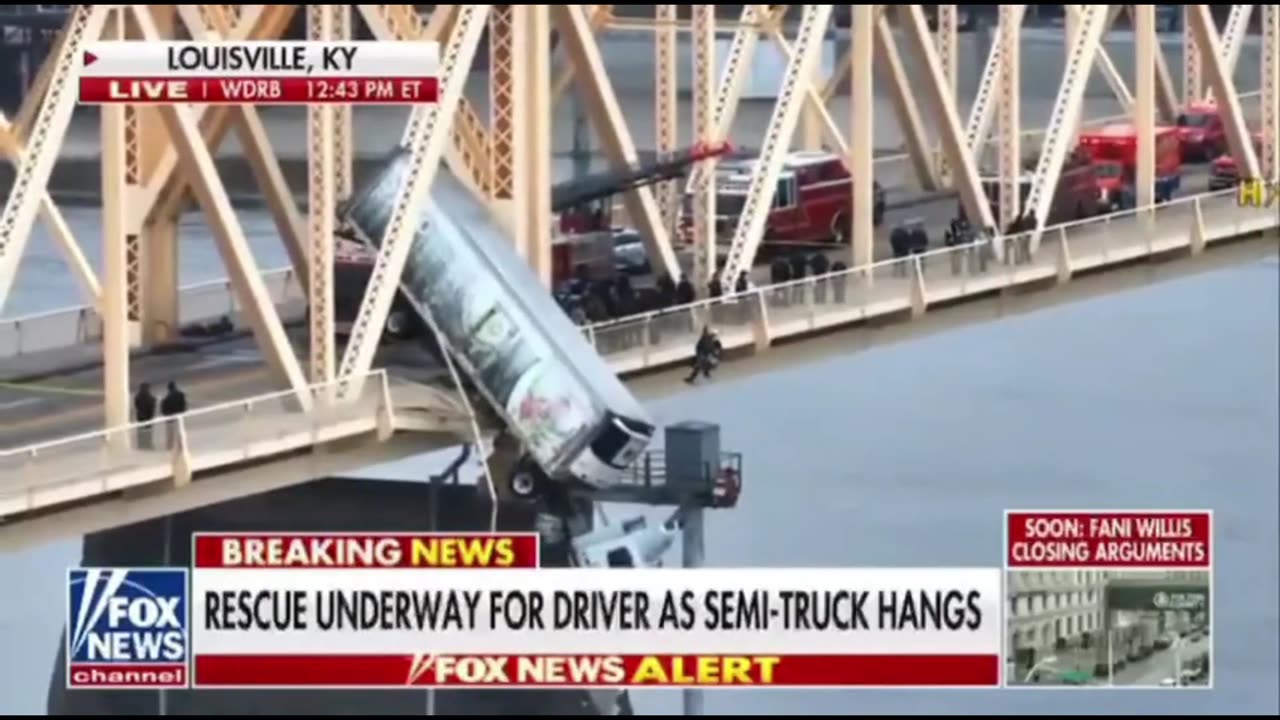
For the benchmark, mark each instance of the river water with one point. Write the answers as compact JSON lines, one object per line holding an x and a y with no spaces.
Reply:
{"x":906,"y":454}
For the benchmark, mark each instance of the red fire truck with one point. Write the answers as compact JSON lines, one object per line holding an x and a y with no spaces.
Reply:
{"x":1201,"y":131}
{"x":1074,"y":198}
{"x":812,"y":204}
{"x":1113,"y":150}
{"x":1225,"y":172}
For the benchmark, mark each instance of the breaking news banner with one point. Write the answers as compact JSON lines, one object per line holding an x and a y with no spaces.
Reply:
{"x":1114,"y":598}
{"x":260,"y":72}
{"x":367,"y":611}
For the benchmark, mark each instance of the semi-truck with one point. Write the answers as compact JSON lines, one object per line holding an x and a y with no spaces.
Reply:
{"x":1113,"y":150}
{"x":575,"y":420}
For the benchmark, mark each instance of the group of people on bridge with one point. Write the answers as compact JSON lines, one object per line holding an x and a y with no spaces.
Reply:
{"x":173,"y":404}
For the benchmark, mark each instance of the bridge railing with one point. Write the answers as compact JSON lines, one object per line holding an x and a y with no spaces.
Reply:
{"x":209,"y":300}
{"x":760,"y":315}
{"x":104,"y":461}
{"x":81,"y":324}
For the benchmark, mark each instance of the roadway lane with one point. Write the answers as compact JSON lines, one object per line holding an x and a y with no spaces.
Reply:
{"x":69,"y":404}
{"x":1160,"y":665}
{"x":72,"y":404}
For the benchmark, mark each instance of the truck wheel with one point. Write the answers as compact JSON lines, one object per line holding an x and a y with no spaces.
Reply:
{"x":527,"y":481}
{"x":841,"y":230}
{"x":398,"y":324}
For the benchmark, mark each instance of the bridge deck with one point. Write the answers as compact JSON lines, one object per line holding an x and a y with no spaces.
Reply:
{"x":99,"y":463}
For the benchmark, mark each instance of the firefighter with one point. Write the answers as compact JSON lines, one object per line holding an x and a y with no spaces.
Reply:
{"x":684,"y":296}
{"x":900,"y":242}
{"x":952,"y":241}
{"x":144,"y":411}
{"x":839,"y":280}
{"x":706,"y":355}
{"x":821,"y":265}
{"x":799,"y":266}
{"x":919,"y":242}
{"x":781,"y":274}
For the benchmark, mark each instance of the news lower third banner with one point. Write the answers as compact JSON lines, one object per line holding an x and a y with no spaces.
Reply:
{"x":370,"y":610}
{"x":260,"y":73}
{"x":364,"y":611}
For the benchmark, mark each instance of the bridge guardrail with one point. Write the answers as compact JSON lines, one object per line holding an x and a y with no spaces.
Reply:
{"x":760,"y":315}
{"x":209,"y":300}
{"x":104,"y":461}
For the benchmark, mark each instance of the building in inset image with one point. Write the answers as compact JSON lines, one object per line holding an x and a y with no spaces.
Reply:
{"x":1058,"y":622}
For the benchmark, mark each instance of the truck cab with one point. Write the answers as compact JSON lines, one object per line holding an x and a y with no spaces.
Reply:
{"x":1201,"y":132}
{"x":1113,"y":152}
{"x":1225,"y":171}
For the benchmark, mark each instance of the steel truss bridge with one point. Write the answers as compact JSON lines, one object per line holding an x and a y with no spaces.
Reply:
{"x":317,"y":408}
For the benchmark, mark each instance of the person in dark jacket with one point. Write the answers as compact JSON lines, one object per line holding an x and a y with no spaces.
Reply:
{"x":743,"y":285}
{"x":173,"y":404}
{"x":839,"y":280}
{"x":781,"y":274}
{"x":799,"y":268}
{"x":666,"y":291}
{"x":144,"y":411}
{"x":706,"y":355}
{"x":900,"y":242}
{"x":684,"y":292}
{"x":820,"y":265}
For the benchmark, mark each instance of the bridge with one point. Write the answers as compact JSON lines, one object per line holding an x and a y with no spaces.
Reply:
{"x":264,"y":418}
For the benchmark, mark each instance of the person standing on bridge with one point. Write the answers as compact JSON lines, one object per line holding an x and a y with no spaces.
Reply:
{"x":144,"y":411}
{"x":173,"y":404}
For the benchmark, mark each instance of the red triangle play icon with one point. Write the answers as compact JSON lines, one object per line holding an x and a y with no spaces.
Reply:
{"x":89,"y":58}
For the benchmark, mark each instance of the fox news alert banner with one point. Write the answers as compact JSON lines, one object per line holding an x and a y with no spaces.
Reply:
{"x":395,"y":610}
{"x":260,"y":72}
{"x":1109,"y":539}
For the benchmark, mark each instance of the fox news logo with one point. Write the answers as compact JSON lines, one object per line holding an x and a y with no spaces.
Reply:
{"x":127,"y":628}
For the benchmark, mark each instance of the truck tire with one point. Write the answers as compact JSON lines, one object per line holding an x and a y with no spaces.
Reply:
{"x":841,"y":229}
{"x":399,"y":323}
{"x":527,"y":481}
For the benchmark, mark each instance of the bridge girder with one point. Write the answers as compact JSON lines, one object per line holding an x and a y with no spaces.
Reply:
{"x":168,"y":152}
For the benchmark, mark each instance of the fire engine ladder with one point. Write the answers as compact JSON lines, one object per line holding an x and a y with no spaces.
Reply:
{"x":1059,"y":132}
{"x":1233,"y":39}
{"x":579,"y":191}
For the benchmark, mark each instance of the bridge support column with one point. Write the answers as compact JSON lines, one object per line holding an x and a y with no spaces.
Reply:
{"x":1192,"y":85}
{"x":1144,"y":119}
{"x":705,"y":246}
{"x":862,"y":133}
{"x":919,"y":294}
{"x":1270,"y":159}
{"x":532,"y":161}
{"x":1065,"y":269}
{"x":1198,"y":236}
{"x":666,"y":120}
{"x":161,"y":301}
{"x":1010,"y":116}
{"x":322,"y":170}
{"x":115,"y":284}
{"x":760,"y":323}
{"x":947,"y":57}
